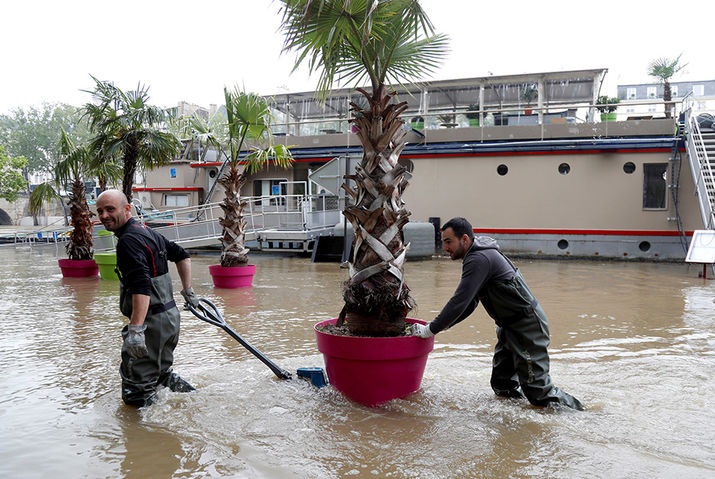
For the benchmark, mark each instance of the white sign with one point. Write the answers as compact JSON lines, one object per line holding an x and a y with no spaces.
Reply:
{"x":702,"y":247}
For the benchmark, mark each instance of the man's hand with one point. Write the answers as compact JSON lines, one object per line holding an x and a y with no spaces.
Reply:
{"x":134,"y":341}
{"x":421,"y":330}
{"x":190,"y":297}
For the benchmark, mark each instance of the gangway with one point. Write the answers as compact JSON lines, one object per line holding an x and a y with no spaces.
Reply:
{"x":274,"y":222}
{"x":700,"y":145}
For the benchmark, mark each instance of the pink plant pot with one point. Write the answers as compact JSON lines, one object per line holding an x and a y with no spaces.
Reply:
{"x":78,"y":268}
{"x":372,"y":371}
{"x":232,"y":276}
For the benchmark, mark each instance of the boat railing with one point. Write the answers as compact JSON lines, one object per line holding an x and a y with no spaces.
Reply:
{"x":510,"y":115}
{"x":267,"y":212}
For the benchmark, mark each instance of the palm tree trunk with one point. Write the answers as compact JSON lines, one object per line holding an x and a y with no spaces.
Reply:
{"x":376,"y":298}
{"x":234,"y":251}
{"x":80,"y":243}
{"x":130,"y":168}
{"x":667,"y":96}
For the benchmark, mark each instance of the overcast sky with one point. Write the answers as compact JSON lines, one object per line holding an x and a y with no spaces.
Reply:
{"x":188,"y":49}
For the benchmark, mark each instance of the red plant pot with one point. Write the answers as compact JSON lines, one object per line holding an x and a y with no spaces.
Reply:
{"x":232,"y":276}
{"x":372,"y":371}
{"x":78,"y":268}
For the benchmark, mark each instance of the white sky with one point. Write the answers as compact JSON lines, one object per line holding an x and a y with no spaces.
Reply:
{"x":188,"y":50}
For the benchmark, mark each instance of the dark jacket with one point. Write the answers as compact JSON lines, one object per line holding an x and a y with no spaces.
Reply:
{"x":481,"y":266}
{"x":142,"y":254}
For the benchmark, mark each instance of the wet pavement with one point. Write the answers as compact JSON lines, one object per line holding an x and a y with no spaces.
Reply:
{"x":634,"y":341}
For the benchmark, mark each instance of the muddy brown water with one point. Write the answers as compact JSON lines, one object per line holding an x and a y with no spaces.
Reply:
{"x":634,"y":341}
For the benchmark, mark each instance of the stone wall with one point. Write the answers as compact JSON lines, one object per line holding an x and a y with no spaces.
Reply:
{"x":18,"y":212}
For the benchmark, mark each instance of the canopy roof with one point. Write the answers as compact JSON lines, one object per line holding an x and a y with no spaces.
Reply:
{"x":564,"y":87}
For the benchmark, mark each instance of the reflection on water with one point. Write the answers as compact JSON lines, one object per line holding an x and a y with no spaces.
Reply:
{"x":635,"y":342}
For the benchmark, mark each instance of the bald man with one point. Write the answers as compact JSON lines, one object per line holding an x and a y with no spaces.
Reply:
{"x":146,"y":297}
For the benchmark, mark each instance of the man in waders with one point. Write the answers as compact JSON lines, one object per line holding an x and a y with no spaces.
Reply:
{"x":146,"y":298}
{"x":520,"y":356}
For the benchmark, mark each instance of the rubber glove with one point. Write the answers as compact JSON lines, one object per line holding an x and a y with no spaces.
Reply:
{"x":421,"y":330}
{"x":134,"y":341}
{"x":190,"y":297}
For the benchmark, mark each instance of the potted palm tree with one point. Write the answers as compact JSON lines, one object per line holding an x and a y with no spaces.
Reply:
{"x":381,"y":41}
{"x":74,"y":166}
{"x":664,"y":69}
{"x":607,"y":107}
{"x":248,"y":125}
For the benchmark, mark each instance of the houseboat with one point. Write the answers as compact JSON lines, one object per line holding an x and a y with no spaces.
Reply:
{"x":533,"y":160}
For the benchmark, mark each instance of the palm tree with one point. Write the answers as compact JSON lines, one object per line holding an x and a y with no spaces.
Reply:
{"x":248,"y":125}
{"x":126,"y":126}
{"x":383,"y":41}
{"x":664,"y":69}
{"x":75,"y":165}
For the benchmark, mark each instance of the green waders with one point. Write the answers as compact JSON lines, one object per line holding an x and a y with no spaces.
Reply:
{"x":520,"y":355}
{"x":140,"y":377}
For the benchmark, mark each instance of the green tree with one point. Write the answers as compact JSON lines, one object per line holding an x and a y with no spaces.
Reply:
{"x":127,"y":127}
{"x":74,"y":166}
{"x":34,"y":132}
{"x":664,"y":69}
{"x":248,"y":126}
{"x":383,"y":41}
{"x":11,"y":180}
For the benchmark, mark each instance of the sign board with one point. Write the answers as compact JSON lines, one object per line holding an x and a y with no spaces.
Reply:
{"x":275,"y":189}
{"x":702,"y":247}
{"x":330,"y":176}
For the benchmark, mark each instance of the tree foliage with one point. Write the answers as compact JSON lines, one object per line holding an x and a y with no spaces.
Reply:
{"x":127,"y":127}
{"x":11,"y":180}
{"x":385,"y":41}
{"x":34,"y":132}
{"x":665,"y":68}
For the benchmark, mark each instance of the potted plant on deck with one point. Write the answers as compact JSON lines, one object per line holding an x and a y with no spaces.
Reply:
{"x":607,"y":107}
{"x":383,"y":41}
{"x":248,"y":124}
{"x":74,"y":166}
{"x":529,"y":94}
{"x":473,"y":117}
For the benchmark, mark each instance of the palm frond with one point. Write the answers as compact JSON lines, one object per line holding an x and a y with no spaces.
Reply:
{"x":43,"y":193}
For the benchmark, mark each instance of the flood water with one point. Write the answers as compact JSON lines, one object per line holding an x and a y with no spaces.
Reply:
{"x":634,"y":342}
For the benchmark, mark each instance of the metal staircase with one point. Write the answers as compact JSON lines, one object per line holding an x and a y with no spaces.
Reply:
{"x":701,"y":155}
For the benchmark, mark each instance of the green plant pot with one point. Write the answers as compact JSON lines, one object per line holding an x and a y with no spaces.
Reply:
{"x":106,"y":263}
{"x":474,"y":122}
{"x":611,"y":116}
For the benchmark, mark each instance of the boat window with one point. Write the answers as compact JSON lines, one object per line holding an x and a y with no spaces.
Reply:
{"x":562,"y":244}
{"x":564,"y":168}
{"x":502,"y":170}
{"x":654,"y":185}
{"x":629,"y":167}
{"x":177,"y":200}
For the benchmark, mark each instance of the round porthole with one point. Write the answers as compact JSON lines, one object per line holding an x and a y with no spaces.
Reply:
{"x":212,"y":173}
{"x":502,"y":170}
{"x":629,"y":167}
{"x":564,"y":168}
{"x":644,"y":246}
{"x":562,"y":244}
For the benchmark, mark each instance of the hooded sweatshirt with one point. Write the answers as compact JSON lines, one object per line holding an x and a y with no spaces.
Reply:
{"x":482,"y":264}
